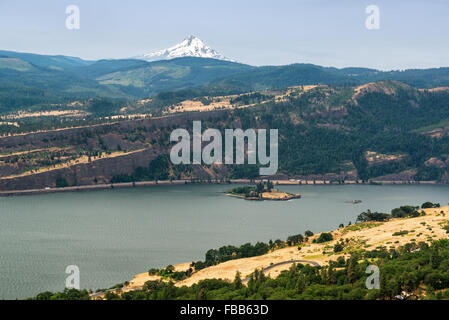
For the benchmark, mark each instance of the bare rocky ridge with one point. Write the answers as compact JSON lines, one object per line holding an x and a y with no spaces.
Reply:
{"x":97,"y":169}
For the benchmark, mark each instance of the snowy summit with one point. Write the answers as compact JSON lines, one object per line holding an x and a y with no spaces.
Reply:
{"x":189,"y":47}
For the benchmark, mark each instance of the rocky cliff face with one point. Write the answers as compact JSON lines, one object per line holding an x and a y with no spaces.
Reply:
{"x":141,"y":141}
{"x":100,"y":171}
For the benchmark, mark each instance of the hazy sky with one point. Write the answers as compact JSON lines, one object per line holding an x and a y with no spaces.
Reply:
{"x":412,"y":34}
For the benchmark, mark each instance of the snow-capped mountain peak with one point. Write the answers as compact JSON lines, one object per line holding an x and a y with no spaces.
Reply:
{"x":189,"y":47}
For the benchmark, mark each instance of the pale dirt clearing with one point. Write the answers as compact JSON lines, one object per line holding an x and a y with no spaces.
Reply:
{"x":80,"y":160}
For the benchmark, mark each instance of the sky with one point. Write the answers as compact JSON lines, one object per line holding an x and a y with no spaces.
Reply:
{"x":412,"y":33}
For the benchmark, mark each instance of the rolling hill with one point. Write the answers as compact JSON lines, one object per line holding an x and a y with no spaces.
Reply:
{"x":381,"y":131}
{"x":30,"y":79}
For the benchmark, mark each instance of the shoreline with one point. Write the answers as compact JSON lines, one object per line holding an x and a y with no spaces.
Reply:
{"x":8,"y":193}
{"x":267,"y":196}
{"x":363,"y":235}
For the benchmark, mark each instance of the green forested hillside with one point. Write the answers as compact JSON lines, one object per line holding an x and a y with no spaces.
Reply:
{"x":341,"y":129}
{"x":58,"y":62}
{"x":59,"y":79}
{"x":332,"y":131}
{"x":176,"y":74}
{"x":304,"y":74}
{"x":325,"y":130}
{"x":62,"y":77}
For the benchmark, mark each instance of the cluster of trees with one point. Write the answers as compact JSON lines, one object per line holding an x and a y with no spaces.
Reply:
{"x":401,"y":212}
{"x":242,"y":190}
{"x":61,"y":182}
{"x":405,"y":211}
{"x":14,"y":96}
{"x":324,"y":237}
{"x":67,"y":294}
{"x":104,"y":107}
{"x":158,"y":169}
{"x":428,"y":205}
{"x":50,"y":123}
{"x":161,"y":101}
{"x":227,"y":253}
{"x":249,"y":191}
{"x":247,"y":250}
{"x":170,"y":273}
{"x":251,"y":98}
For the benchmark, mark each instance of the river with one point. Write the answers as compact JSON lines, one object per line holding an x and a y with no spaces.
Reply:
{"x":111,"y":235}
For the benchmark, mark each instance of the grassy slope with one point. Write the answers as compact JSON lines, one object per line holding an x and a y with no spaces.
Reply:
{"x":367,"y":236}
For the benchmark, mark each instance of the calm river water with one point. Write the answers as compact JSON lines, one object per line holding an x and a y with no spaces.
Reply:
{"x":111,"y":235}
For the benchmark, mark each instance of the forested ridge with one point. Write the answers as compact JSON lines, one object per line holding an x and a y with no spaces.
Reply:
{"x":381,"y":131}
{"x":332,"y":130}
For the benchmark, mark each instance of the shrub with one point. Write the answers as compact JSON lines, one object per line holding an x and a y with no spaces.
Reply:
{"x":308,"y":233}
{"x":428,"y":205}
{"x":324,"y":237}
{"x":405,"y":211}
{"x":373,"y":216}
{"x":153,"y":271}
{"x":293,"y":240}
{"x":338,"y":247}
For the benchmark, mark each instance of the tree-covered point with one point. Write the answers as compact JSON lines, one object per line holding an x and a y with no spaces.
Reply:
{"x":324,"y":237}
{"x":252,"y":191}
{"x":67,"y":294}
{"x":159,"y":169}
{"x":226,"y":253}
{"x":244,"y":190}
{"x":324,"y":131}
{"x":104,"y":106}
{"x":169,"y":272}
{"x":372,"y":216}
{"x":251,"y":98}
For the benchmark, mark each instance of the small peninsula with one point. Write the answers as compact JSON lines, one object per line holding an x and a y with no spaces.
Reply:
{"x":262,"y":191}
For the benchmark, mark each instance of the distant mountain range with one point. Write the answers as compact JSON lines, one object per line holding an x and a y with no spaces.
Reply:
{"x":189,"y":47}
{"x":29,"y":79}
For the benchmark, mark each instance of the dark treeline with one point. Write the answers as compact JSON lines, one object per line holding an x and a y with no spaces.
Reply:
{"x":158,"y":169}
{"x":401,"y":212}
